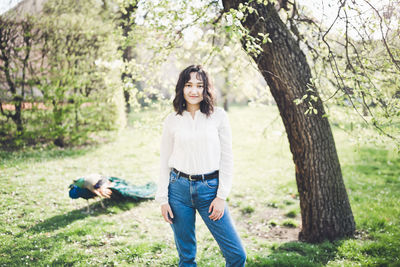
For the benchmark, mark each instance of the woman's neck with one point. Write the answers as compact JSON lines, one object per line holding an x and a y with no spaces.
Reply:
{"x":192,"y":109}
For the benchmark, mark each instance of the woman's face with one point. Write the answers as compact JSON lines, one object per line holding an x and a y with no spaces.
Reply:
{"x":193,"y":90}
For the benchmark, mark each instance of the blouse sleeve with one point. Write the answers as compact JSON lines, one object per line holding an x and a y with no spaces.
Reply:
{"x":166,"y":146}
{"x":226,"y":160}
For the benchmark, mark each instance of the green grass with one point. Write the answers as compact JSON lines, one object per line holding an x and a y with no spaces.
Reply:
{"x":291,"y":214}
{"x":247,"y":210}
{"x":289,"y":223}
{"x":40,"y":225}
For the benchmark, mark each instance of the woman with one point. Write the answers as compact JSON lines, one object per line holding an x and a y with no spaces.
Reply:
{"x":197,"y":169}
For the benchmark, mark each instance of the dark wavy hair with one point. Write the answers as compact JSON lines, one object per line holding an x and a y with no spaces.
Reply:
{"x":207,"y":104}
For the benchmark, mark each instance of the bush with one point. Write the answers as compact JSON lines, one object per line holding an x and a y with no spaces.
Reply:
{"x":77,"y":85}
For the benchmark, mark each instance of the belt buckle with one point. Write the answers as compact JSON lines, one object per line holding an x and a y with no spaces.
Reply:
{"x":190,"y":178}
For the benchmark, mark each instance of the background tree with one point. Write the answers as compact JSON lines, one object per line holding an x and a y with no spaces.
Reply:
{"x":325,"y":208}
{"x":17,"y":74}
{"x":83,"y":49}
{"x":127,"y":22}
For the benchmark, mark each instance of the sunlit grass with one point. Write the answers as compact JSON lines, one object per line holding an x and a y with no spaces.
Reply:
{"x":41,"y":226}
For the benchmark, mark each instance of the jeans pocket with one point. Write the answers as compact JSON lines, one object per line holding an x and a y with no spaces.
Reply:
{"x":172,"y":177}
{"x":212,"y":183}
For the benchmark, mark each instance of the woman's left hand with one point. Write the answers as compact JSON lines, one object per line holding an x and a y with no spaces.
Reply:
{"x":217,"y":208}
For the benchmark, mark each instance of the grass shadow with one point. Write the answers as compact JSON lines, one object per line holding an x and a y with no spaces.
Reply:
{"x":297,"y":253}
{"x":13,"y":158}
{"x":112,"y":206}
{"x":39,"y":252}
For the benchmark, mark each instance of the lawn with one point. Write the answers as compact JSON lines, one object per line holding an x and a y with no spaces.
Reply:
{"x":40,"y":225}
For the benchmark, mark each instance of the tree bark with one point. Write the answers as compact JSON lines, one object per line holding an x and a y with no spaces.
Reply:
{"x":325,"y":208}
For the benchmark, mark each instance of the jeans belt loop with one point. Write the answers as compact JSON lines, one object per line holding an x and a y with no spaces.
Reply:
{"x":202,"y":177}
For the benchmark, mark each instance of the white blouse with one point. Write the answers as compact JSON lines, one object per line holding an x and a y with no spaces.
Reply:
{"x":198,"y":145}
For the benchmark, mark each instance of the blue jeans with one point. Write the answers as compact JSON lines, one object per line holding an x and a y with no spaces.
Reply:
{"x":185,"y":197}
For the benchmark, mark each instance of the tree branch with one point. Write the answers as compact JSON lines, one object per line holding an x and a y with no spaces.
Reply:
{"x":395,"y":61}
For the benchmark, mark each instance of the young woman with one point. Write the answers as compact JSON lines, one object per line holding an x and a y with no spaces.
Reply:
{"x":197,"y":168}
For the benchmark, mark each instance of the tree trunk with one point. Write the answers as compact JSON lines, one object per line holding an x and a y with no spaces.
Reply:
{"x":325,"y":208}
{"x":17,"y":118}
{"x":224,"y":91}
{"x":127,"y":54}
{"x":226,"y":105}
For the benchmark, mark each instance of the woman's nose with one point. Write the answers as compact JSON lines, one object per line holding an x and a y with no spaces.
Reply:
{"x":195,"y":89}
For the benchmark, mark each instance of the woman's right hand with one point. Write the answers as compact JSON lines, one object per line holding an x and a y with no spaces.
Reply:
{"x":165,"y":211}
